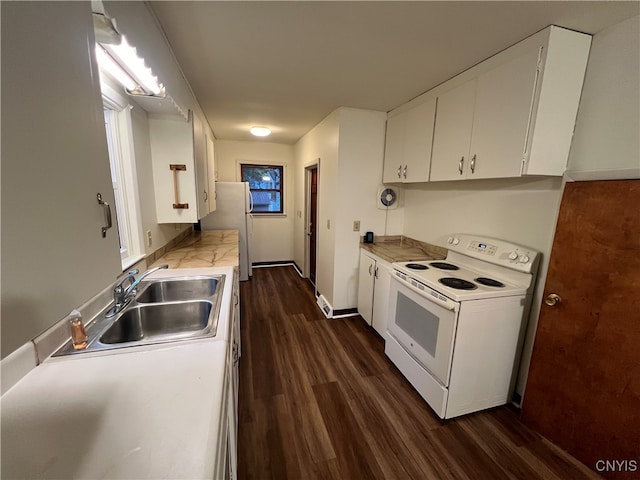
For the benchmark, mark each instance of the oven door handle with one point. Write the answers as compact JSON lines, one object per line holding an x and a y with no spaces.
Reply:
{"x":429,"y":294}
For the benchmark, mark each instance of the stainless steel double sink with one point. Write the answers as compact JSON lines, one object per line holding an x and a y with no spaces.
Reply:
{"x":164,"y":310}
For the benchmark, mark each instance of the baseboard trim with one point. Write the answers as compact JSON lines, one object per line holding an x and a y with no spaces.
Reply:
{"x":278,"y":263}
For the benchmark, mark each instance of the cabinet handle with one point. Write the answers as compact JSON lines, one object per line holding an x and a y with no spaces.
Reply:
{"x":107,"y":215}
{"x":472,"y":165}
{"x":404,"y":171}
{"x":175,"y":168}
{"x":399,"y":171}
{"x":206,"y":196}
{"x":375,"y":272}
{"x":460,"y":165}
{"x":370,"y":269}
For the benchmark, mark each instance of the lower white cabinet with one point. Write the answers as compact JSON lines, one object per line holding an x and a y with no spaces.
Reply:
{"x":382,"y":285}
{"x":373,"y":290}
{"x":228,"y":461}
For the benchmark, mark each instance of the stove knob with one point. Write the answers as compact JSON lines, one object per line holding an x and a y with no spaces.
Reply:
{"x":450,"y":240}
{"x":524,"y":259}
{"x":513,"y":255}
{"x":456,"y":241}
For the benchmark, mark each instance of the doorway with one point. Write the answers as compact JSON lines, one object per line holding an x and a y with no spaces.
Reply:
{"x":311,"y":229}
{"x":583,"y":389}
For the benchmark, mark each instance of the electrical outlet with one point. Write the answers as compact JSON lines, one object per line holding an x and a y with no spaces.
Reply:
{"x":149,"y":238}
{"x":356,"y":225}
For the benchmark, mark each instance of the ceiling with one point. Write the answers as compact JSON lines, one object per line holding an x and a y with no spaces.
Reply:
{"x":287,"y":65}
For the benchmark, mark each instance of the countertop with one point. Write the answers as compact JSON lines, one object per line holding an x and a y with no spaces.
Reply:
{"x":138,"y":413}
{"x":403,"y":249}
{"x":210,"y":248}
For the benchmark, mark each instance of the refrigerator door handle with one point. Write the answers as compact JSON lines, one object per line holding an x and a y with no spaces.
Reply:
{"x":250,"y":202}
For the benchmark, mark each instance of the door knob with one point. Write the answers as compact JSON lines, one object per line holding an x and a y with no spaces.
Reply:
{"x":553,"y":300}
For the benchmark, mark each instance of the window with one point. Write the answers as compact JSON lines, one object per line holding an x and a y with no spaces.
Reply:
{"x":117,"y":126}
{"x":266,"y":185}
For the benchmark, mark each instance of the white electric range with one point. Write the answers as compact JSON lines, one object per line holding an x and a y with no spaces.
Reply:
{"x":455,"y":326}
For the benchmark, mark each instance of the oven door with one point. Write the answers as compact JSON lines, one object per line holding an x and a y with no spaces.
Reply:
{"x":424,"y":324}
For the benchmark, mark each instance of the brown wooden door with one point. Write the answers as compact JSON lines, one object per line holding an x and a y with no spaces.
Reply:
{"x":313,"y":221}
{"x":583,"y":389}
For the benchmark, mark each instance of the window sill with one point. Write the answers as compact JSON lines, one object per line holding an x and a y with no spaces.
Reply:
{"x":260,"y":215}
{"x":129,"y":262}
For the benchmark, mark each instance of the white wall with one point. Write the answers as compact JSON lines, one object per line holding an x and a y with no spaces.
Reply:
{"x":350,"y":146}
{"x":360,"y":158}
{"x":272,"y":235}
{"x":319,"y":145}
{"x":606,"y":138}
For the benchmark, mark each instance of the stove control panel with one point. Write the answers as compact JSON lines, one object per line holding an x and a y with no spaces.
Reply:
{"x":493,"y":250}
{"x":483,"y":248}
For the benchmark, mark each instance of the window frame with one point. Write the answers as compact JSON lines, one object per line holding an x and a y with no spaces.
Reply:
{"x":274,"y":166}
{"x":126,"y":171}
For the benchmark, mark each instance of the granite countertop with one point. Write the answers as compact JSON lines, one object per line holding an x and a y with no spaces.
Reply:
{"x":403,"y":249}
{"x":210,"y":248}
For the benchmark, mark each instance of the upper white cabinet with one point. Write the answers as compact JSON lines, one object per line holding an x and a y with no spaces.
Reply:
{"x":180,"y":168}
{"x":482,"y":125}
{"x":511,"y":115}
{"x":408,"y":144}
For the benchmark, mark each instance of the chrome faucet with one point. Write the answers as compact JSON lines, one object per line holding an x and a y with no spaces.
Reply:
{"x":122,"y":296}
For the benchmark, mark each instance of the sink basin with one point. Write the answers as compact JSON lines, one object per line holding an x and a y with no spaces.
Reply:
{"x":167,"y":309}
{"x":178,"y":290}
{"x":158,"y":322}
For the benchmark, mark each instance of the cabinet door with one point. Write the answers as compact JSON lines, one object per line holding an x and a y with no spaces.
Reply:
{"x":172,"y":143}
{"x":202,"y":177}
{"x":365,"y":287}
{"x":503,"y":105}
{"x":54,"y":163}
{"x":381,"y":293}
{"x":211,"y":173}
{"x":394,"y":148}
{"x":418,"y":140}
{"x":452,"y":134}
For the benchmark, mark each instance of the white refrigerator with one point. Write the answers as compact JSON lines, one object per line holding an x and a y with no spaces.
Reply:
{"x":233,"y":212}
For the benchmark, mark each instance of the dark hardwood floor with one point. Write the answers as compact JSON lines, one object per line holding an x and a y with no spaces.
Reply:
{"x":319,"y":399}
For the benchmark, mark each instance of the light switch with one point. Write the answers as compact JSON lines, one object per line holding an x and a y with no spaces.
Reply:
{"x":356,"y":225}
{"x":328,"y":224}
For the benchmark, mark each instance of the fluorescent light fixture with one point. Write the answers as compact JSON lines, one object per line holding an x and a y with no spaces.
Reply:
{"x":260,"y":131}
{"x":141,"y":81}
{"x":109,"y":65}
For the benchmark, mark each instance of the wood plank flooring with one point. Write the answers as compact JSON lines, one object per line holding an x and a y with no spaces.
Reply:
{"x":320,"y":400}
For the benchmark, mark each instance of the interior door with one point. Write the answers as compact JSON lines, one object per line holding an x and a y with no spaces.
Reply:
{"x":313,"y":222}
{"x":583,"y":389}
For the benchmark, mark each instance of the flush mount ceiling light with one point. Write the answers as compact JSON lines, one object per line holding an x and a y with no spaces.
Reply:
{"x":123,"y":63}
{"x":260,"y":131}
